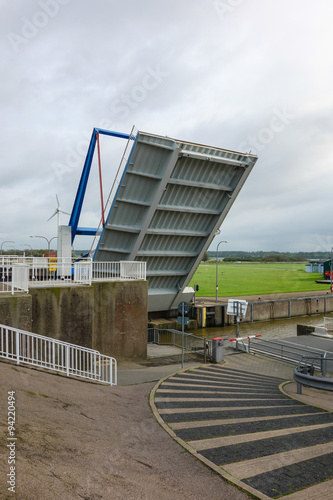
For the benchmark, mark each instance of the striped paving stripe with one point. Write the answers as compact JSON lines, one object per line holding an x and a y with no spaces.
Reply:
{"x":210,"y":423}
{"x":180,"y":415}
{"x":208,"y":444}
{"x":227,"y":374}
{"x":195,"y":387}
{"x":249,"y":468}
{"x":217,"y":386}
{"x":216,"y":390}
{"x":225,"y":381}
{"x":220,"y":402}
{"x":171,"y":411}
{"x":223,"y":377}
{"x":233,"y":372}
{"x":219,"y":398}
{"x":216,"y":395}
{"x":235,"y":427}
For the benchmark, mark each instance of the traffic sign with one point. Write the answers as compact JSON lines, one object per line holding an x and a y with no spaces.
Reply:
{"x":180,"y":320}
{"x":183,"y":306}
{"x":237,"y":307}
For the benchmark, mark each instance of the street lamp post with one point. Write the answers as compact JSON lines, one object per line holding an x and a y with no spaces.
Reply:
{"x":217,"y":262}
{"x":48,"y":241}
{"x":8,"y":241}
{"x":25,"y":245}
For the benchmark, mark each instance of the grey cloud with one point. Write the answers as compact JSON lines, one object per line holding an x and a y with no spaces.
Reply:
{"x":220,"y":79}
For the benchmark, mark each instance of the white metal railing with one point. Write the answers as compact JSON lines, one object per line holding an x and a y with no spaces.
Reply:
{"x":21,"y":273}
{"x":62,"y":357}
{"x":14,"y":277}
{"x":51,"y":271}
{"x":7,"y":260}
{"x":123,"y":270}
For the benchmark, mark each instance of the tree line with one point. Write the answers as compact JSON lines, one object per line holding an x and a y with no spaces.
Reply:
{"x":234,"y":256}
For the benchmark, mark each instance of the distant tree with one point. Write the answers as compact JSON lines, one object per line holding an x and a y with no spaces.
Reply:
{"x":205,"y":257}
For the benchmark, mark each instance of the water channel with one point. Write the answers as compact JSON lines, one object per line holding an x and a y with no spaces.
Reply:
{"x":274,"y":329}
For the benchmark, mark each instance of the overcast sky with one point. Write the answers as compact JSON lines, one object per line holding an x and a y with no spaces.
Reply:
{"x":237,"y":74}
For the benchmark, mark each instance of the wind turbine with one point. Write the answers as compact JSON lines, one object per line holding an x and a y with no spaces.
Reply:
{"x":58,"y":211}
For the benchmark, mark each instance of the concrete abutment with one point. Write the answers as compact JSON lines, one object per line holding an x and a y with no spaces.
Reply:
{"x":108,"y":316}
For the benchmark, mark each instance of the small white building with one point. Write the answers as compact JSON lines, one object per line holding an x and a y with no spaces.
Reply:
{"x":315,"y":266}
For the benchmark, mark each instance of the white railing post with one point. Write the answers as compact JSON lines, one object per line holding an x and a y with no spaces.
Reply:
{"x":67,"y":360}
{"x":95,"y":366}
{"x":113,"y":368}
{"x":17,"y":347}
{"x":53,"y":354}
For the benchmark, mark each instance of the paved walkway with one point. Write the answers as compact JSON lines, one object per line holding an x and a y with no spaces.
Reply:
{"x":231,"y":416}
{"x":234,"y":418}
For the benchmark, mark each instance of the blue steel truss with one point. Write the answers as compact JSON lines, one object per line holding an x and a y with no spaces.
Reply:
{"x":77,"y":207}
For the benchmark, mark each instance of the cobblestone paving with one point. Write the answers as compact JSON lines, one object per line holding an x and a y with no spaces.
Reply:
{"x":273,"y":484}
{"x":241,"y":422}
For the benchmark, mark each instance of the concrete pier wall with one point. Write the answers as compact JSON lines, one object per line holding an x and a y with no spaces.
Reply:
{"x":15,"y":311}
{"x":109,"y":316}
{"x":264,"y":310}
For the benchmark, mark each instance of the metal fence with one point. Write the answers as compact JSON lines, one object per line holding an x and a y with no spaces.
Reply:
{"x":21,"y":273}
{"x":51,"y":271}
{"x":62,"y":357}
{"x":123,"y":270}
{"x":328,"y":324}
{"x":284,"y":351}
{"x":192,"y":343}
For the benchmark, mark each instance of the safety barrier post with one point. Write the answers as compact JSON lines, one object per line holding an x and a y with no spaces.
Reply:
{"x":323,"y":363}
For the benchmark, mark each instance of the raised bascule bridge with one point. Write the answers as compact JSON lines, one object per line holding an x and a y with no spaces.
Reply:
{"x":168,"y":201}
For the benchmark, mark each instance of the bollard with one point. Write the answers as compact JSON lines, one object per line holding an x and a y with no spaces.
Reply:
{"x":217,"y":350}
{"x":323,"y":363}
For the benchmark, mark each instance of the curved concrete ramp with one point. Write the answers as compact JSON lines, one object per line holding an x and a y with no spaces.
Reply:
{"x":241,"y":424}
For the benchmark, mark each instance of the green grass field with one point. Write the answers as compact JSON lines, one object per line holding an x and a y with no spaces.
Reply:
{"x":254,"y":278}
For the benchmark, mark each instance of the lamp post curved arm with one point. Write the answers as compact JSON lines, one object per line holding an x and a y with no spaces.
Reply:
{"x":8,"y":241}
{"x":48,"y":241}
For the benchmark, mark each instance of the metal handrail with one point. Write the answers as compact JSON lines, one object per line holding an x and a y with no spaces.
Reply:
{"x":192,"y":343}
{"x":44,"y":352}
{"x":122,"y":270}
{"x":304,"y":373}
{"x":287,"y":351}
